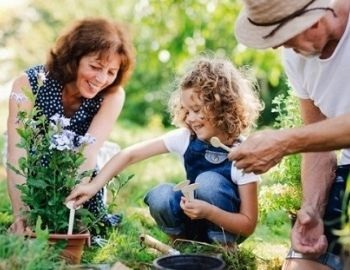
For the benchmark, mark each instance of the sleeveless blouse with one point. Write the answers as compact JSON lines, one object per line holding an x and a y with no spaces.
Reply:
{"x":49,"y":101}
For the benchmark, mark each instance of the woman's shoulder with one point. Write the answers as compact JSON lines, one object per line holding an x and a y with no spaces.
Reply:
{"x":35,"y":74}
{"x":35,"y":70}
{"x":19,"y":82}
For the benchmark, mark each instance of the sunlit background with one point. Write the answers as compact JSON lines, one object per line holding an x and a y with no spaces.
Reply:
{"x":166,"y":34}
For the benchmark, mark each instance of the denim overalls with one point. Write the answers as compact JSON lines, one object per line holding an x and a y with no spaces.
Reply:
{"x":209,"y":167}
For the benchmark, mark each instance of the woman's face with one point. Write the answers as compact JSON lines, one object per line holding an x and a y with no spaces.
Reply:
{"x":195,"y":118}
{"x":96,"y":73}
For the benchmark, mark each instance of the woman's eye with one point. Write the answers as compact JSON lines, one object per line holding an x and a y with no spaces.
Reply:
{"x":94,"y":67}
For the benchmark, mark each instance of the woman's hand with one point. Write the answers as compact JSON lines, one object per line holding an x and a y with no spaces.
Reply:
{"x":81,"y":193}
{"x":196,"y":209}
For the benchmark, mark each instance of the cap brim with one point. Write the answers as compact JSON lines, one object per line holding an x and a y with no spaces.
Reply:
{"x":252,"y":35}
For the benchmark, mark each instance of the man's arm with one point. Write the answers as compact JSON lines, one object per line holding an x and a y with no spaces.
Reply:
{"x":317,"y":174}
{"x":317,"y":167}
{"x":264,"y":149}
{"x":330,"y":134}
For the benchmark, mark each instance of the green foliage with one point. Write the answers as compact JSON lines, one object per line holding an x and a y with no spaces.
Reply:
{"x":275,"y":201}
{"x":288,"y":116}
{"x":241,"y":259}
{"x":287,"y":110}
{"x":50,"y":167}
{"x":115,"y":185}
{"x":285,"y":191}
{"x":344,"y":232}
{"x":19,"y":253}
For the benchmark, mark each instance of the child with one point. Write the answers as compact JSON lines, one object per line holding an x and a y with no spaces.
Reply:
{"x":212,"y":99}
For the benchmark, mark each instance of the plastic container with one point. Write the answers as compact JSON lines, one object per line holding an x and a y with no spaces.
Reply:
{"x":189,"y":262}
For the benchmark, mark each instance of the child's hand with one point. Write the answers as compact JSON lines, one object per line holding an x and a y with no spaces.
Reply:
{"x":196,"y":209}
{"x":81,"y":193}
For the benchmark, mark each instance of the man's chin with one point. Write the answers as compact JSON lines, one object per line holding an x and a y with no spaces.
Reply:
{"x":311,"y":55}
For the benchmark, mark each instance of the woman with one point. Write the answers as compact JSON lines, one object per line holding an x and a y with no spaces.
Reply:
{"x":82,"y":79}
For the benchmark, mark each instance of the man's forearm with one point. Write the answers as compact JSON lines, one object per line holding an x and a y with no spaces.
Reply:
{"x":330,"y":134}
{"x":317,"y":177}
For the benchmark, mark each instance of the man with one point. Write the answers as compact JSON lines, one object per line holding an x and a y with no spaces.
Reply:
{"x":316,"y":41}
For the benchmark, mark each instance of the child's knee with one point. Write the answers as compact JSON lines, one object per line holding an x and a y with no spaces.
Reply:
{"x":162,"y":198}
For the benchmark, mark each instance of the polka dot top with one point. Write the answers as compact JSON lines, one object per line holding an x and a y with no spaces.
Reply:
{"x":49,"y":100}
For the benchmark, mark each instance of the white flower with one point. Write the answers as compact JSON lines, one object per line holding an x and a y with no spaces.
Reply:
{"x":63,"y":141}
{"x":87,"y":139}
{"x":41,"y":77}
{"x":60,"y":121}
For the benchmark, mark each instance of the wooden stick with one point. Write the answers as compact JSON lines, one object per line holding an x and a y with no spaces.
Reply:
{"x":215,"y":141}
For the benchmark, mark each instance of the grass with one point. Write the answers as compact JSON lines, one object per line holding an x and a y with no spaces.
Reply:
{"x":265,"y":249}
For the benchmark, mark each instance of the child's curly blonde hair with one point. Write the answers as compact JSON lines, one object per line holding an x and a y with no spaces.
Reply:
{"x":229,"y":100}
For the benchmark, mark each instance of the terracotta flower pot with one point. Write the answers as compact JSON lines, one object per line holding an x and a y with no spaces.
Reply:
{"x":74,"y":247}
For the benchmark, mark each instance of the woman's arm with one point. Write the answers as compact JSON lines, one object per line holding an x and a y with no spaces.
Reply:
{"x":140,"y":151}
{"x":241,"y":223}
{"x":14,"y":152}
{"x":102,"y":125}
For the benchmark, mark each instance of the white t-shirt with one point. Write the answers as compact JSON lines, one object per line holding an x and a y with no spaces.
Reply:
{"x":177,"y":141}
{"x":325,"y":81}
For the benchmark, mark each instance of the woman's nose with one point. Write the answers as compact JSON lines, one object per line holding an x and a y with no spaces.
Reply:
{"x":101,"y":77}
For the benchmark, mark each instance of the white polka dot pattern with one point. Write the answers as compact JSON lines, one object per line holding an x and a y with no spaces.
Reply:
{"x":49,"y":100}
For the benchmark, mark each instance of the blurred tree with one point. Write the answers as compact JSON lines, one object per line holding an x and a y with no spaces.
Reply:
{"x":167,"y":33}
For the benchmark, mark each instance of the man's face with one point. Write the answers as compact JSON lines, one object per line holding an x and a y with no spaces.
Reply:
{"x":309,"y":43}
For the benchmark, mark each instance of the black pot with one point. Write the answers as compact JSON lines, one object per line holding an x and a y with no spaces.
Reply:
{"x":188,"y":262}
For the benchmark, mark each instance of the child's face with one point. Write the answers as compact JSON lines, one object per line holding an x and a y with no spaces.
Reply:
{"x":195,"y":118}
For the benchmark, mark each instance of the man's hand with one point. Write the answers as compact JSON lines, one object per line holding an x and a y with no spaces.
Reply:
{"x":259,"y":152}
{"x":196,"y":209}
{"x":307,"y":234}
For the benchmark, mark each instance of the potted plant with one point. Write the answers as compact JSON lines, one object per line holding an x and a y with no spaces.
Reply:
{"x":51,"y":169}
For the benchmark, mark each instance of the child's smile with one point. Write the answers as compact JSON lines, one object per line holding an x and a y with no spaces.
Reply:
{"x":196,"y":120}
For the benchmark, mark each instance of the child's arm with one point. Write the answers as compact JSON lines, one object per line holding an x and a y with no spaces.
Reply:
{"x":242,"y":223}
{"x":140,"y":151}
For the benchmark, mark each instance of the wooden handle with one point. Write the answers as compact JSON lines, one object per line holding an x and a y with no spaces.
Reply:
{"x":151,"y":242}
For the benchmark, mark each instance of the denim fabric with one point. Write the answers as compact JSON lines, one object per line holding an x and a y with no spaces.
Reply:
{"x":335,"y":214}
{"x":202,"y":157}
{"x":164,"y":205}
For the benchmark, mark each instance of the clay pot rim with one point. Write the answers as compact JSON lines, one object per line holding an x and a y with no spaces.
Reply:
{"x":61,"y":235}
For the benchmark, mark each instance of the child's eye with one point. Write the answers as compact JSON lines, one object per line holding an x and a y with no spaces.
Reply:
{"x":196,"y":110}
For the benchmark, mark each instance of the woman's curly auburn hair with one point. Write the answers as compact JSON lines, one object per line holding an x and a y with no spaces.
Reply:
{"x":229,"y":100}
{"x":91,"y":36}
